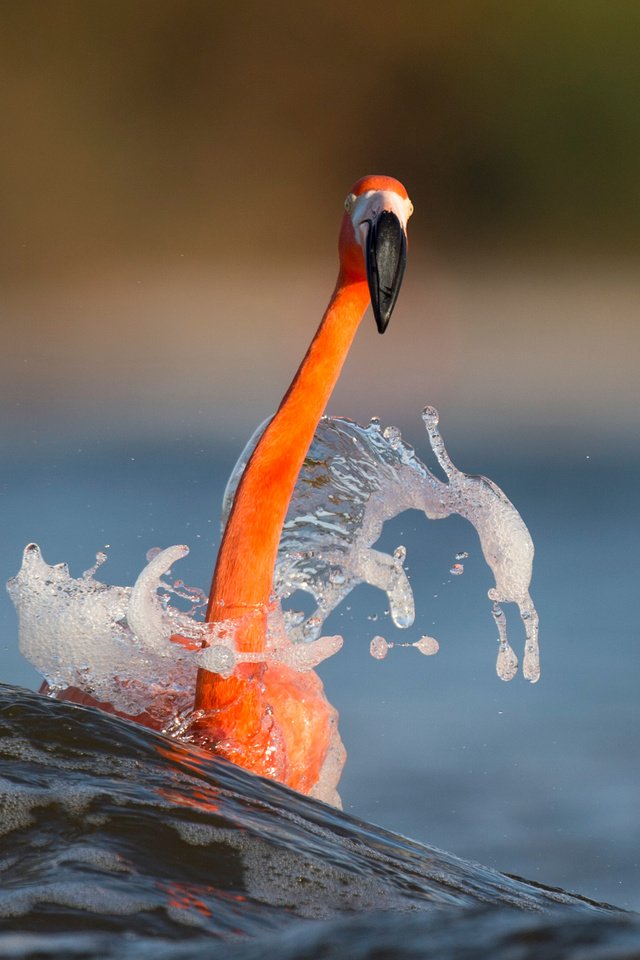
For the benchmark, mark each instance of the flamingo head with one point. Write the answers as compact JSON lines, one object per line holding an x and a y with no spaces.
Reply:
{"x":373,"y":240}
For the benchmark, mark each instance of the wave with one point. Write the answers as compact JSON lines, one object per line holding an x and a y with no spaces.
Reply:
{"x":120,"y":842}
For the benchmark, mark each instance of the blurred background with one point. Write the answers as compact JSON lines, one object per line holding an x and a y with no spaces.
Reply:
{"x":171,"y":184}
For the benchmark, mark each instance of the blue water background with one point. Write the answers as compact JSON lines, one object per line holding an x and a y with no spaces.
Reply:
{"x":541,"y":781}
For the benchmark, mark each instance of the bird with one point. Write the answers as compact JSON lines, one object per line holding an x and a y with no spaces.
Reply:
{"x":268,"y":717}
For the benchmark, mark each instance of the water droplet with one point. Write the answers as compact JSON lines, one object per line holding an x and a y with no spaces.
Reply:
{"x":393,"y":435}
{"x":100,"y":559}
{"x":507,"y":663}
{"x":379,"y":648}
{"x":427,"y":645}
{"x":430,"y":416}
{"x":403,"y":617}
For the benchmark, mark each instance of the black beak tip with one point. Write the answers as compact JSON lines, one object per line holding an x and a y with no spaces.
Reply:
{"x":386,"y":257}
{"x":382,"y":320}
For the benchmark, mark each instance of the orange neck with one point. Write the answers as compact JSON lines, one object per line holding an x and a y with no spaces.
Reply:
{"x":243,"y":577}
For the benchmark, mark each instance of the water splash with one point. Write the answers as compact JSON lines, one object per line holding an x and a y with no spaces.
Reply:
{"x":219,"y":654}
{"x":505,"y":541}
{"x":115,"y":643}
{"x":355,"y":478}
{"x":111,"y":642}
{"x":379,"y":647}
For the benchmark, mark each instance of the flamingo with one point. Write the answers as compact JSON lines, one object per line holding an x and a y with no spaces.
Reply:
{"x":268,"y":717}
{"x":273,"y":719}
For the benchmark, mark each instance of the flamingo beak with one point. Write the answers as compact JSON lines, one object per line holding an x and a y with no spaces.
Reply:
{"x":385,"y":258}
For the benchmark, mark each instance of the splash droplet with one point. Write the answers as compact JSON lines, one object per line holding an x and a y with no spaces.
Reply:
{"x":427,"y":645}
{"x":101,"y":558}
{"x":430,"y":416}
{"x":379,"y":648}
{"x":507,"y":662}
{"x":393,"y":435}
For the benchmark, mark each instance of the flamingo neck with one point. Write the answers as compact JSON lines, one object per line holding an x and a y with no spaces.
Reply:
{"x":243,"y":577}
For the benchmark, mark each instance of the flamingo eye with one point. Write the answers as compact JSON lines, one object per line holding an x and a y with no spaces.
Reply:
{"x":409,"y":209}
{"x":349,"y":202}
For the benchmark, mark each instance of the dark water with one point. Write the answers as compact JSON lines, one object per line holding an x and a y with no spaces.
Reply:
{"x":117,"y":842}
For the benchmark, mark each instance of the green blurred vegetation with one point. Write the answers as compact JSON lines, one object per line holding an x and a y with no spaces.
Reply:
{"x":159,"y":128}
